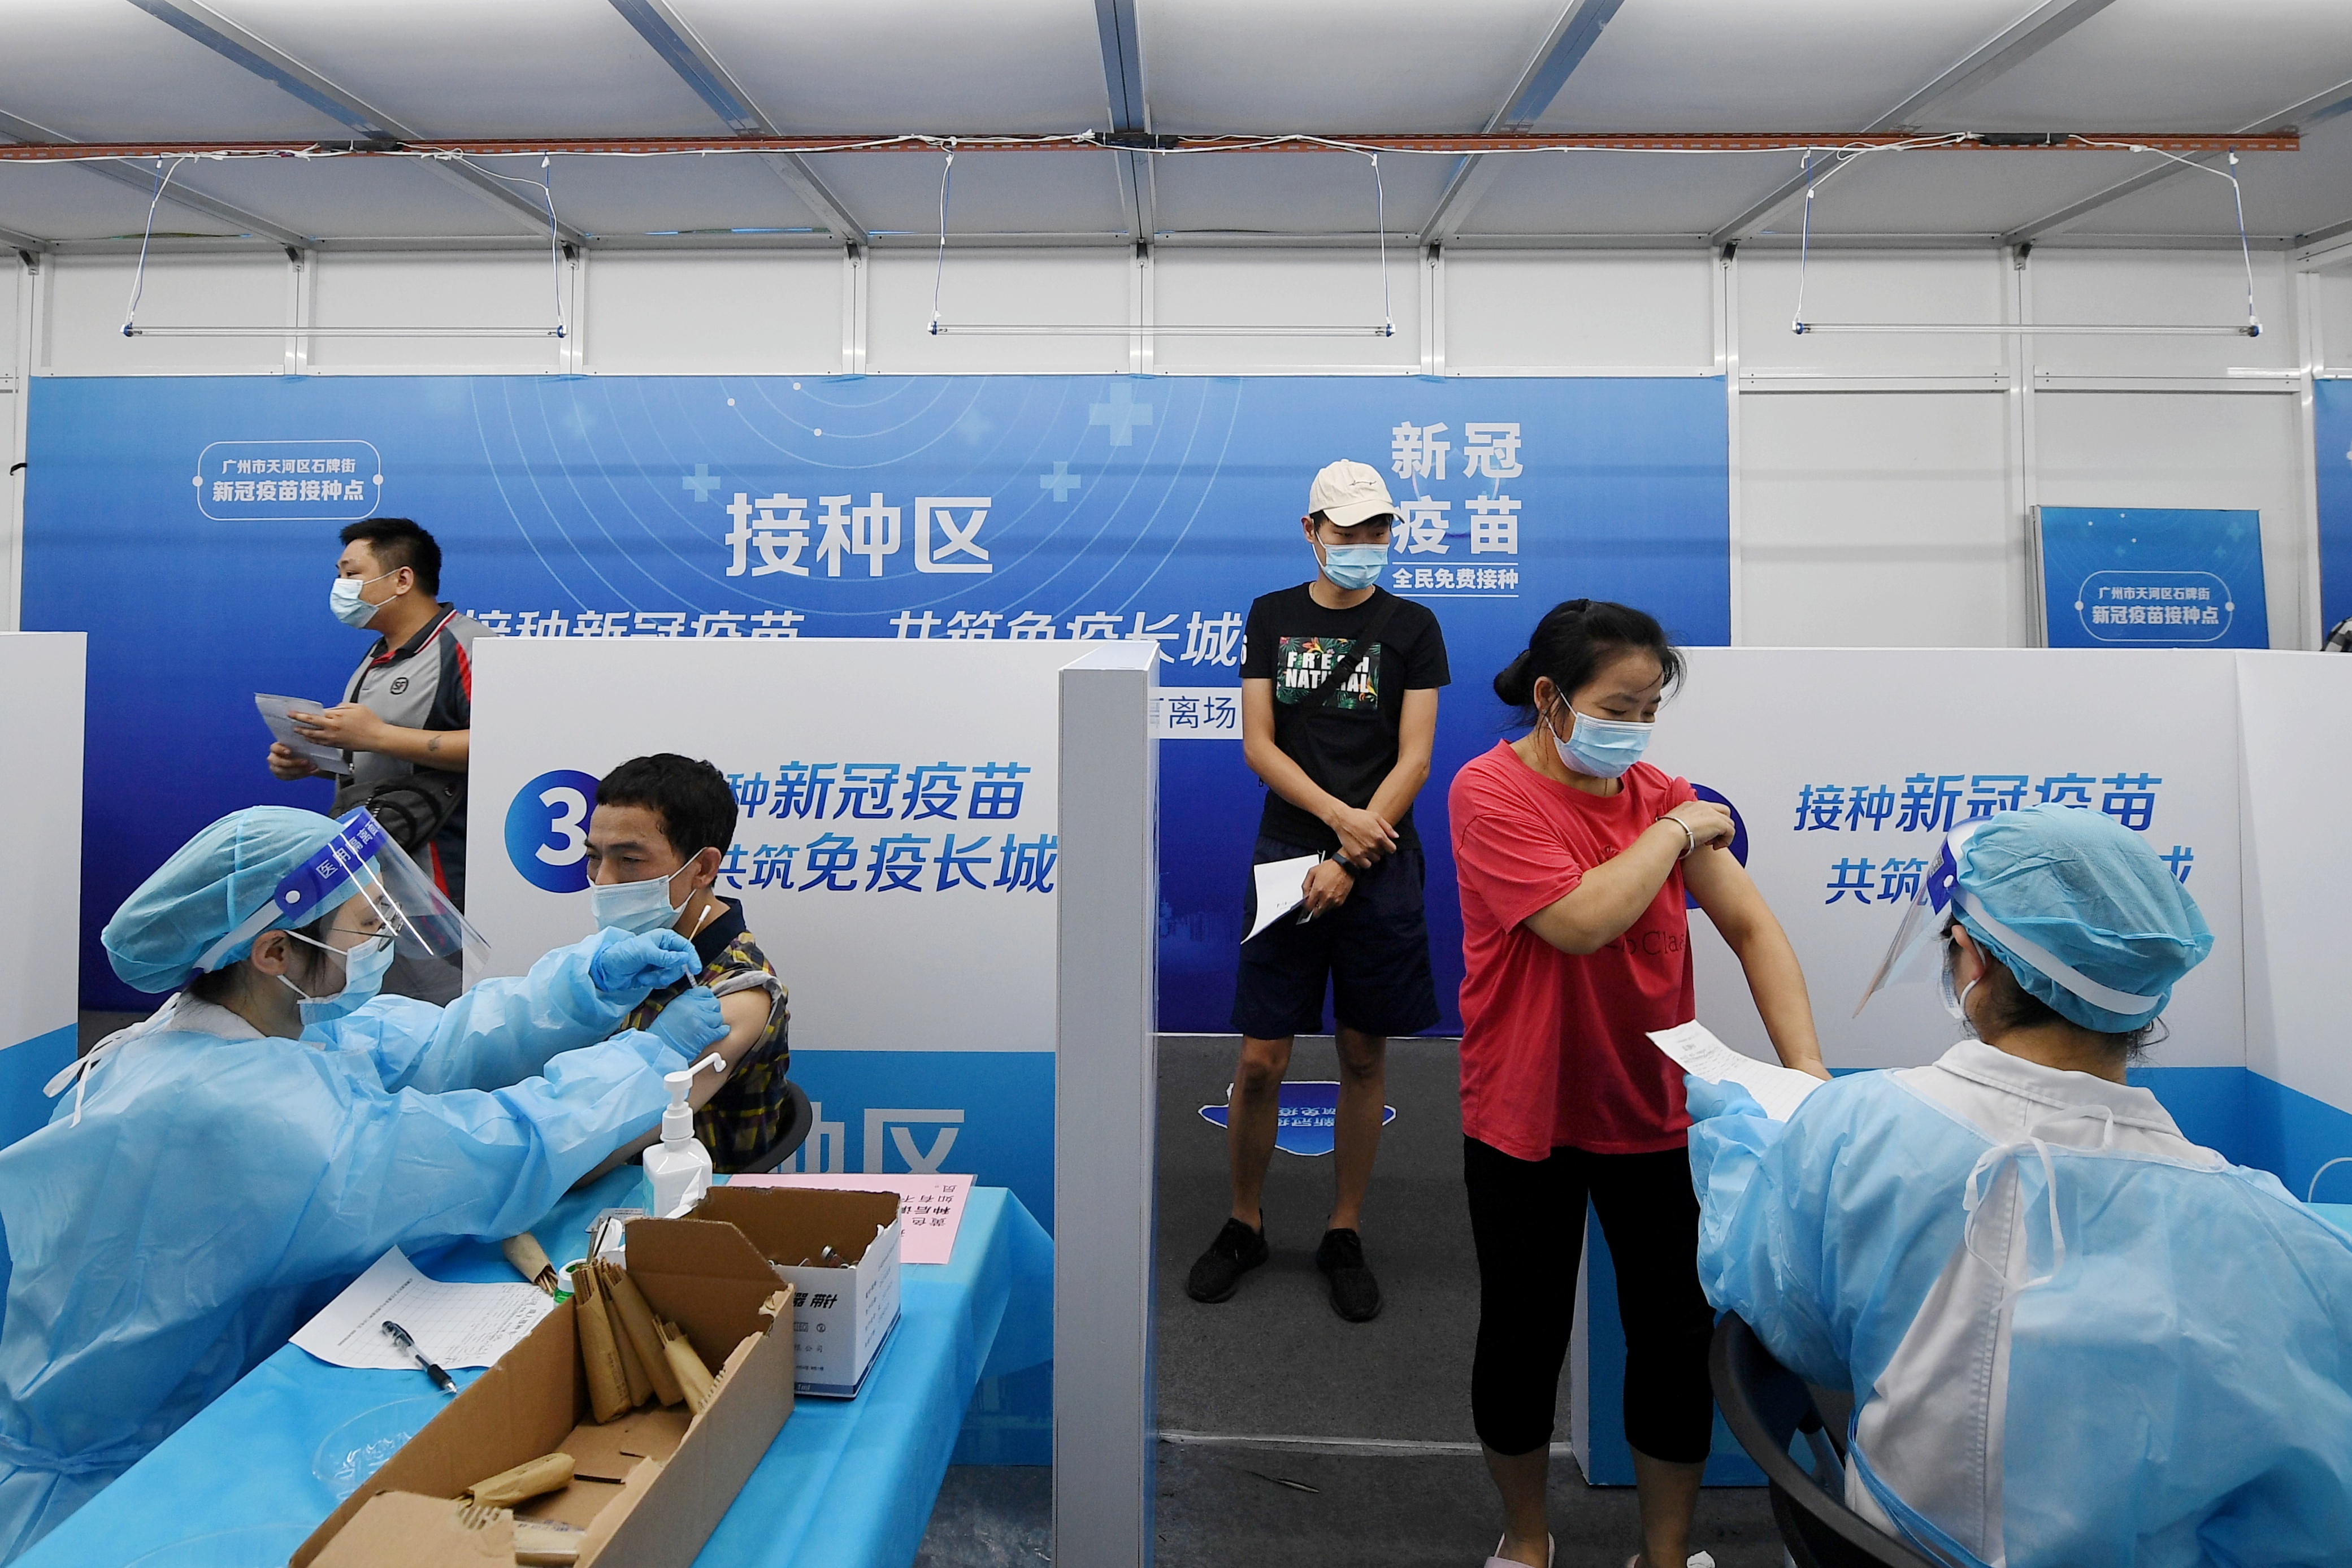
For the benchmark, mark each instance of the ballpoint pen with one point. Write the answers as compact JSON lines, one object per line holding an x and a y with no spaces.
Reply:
{"x":441,"y":1379}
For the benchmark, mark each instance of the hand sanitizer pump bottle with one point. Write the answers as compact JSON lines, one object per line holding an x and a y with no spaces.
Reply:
{"x":677,"y":1169}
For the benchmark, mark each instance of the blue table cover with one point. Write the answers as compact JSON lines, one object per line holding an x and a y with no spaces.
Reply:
{"x":846,"y":1483}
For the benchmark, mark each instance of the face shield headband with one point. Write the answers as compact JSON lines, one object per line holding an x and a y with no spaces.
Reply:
{"x":361,"y":863}
{"x":1941,"y":900}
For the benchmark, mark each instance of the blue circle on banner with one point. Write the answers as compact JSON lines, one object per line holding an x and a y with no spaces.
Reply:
{"x":1739,"y":831}
{"x":547,"y":830}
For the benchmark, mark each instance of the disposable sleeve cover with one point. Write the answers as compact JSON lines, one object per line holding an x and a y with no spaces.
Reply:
{"x":414,"y":1168}
{"x":501,"y":1031}
{"x":1764,"y":1199}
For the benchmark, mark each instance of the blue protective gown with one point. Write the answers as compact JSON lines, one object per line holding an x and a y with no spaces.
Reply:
{"x":222,"y":1186}
{"x":2161,"y":1376}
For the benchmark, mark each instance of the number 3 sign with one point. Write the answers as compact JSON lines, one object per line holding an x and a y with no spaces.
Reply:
{"x":547,"y":830}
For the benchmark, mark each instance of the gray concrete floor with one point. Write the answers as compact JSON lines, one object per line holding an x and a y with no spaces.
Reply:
{"x":1275,"y":1363}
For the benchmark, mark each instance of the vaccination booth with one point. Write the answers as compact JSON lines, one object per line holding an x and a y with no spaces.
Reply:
{"x":1845,"y":768}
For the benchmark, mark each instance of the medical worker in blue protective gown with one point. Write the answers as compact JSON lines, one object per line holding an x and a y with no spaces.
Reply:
{"x":2072,"y":1337}
{"x":212,"y":1177}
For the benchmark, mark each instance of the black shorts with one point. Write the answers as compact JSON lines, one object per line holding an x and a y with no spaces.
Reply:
{"x":1372,"y":952}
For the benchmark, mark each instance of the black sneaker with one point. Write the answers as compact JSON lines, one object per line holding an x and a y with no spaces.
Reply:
{"x":1236,"y":1250}
{"x":1355,"y":1295}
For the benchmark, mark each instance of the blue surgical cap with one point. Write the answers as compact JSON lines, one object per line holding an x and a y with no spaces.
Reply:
{"x":2092,"y":894}
{"x":207,"y":889}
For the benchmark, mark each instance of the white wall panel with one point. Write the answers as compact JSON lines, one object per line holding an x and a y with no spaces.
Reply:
{"x":1289,"y":288}
{"x":722,"y":313}
{"x":1516,"y":310}
{"x":1873,"y":286}
{"x":13,"y":283}
{"x":87,"y":299}
{"x":378,"y":289}
{"x":2226,"y":450}
{"x":1878,"y":520}
{"x":2333,"y":292}
{"x":1024,"y":288}
{"x":2201,"y":287}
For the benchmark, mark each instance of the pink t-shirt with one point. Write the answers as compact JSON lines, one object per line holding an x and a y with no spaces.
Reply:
{"x":1555,"y":1047}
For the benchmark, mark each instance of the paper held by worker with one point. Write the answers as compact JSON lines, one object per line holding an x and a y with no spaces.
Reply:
{"x":453,"y":1325}
{"x":274,"y":709}
{"x":1780,"y":1090}
{"x":1281,"y":888}
{"x":931,"y":1207}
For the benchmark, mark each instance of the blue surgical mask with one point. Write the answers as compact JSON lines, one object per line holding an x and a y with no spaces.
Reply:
{"x":1602,"y":748}
{"x":636,"y":907}
{"x":363,"y":969}
{"x":343,"y":598}
{"x":1355,"y":566}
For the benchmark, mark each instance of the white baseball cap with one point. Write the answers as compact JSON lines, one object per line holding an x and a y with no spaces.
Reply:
{"x":1349,"y":493}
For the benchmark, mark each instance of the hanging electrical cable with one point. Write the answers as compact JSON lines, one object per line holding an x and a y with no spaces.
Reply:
{"x":1844,"y":159}
{"x":130,"y":328}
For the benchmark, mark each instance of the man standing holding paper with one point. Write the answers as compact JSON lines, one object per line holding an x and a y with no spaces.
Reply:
{"x":1339,"y":682}
{"x":405,"y":723}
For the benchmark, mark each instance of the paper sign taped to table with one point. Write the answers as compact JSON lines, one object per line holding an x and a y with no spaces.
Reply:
{"x":455,"y":1325}
{"x":1281,"y":888}
{"x":274,"y":712}
{"x":931,"y":1207}
{"x":1780,"y":1090}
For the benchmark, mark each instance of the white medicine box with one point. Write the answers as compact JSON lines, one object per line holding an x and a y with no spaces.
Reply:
{"x":841,"y":1314}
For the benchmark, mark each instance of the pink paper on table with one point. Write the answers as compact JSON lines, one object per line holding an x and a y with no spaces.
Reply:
{"x":931,"y":1207}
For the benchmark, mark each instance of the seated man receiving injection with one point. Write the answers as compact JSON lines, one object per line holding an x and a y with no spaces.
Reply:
{"x":661,"y":830}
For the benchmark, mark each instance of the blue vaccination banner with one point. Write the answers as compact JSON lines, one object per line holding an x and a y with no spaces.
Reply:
{"x":2332,"y":432}
{"x":2113,"y":578}
{"x":188,"y":524}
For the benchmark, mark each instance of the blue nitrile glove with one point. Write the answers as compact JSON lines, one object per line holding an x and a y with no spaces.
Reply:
{"x":689,"y":1022}
{"x":640,"y":964}
{"x":1725,"y":1099}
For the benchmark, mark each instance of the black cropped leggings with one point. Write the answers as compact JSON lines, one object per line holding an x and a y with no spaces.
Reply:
{"x":1527,"y":1219}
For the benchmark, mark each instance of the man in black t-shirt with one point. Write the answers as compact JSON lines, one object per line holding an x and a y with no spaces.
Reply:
{"x":1341,"y":735}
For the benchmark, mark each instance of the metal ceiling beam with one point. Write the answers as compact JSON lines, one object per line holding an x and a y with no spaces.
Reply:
{"x":1572,"y":38}
{"x":17,"y":239}
{"x":1130,"y":113}
{"x":1094,"y":141}
{"x":181,"y":194}
{"x":2322,"y":236}
{"x":2034,"y":31}
{"x":2317,"y":110}
{"x":686,"y":54}
{"x":283,"y":71}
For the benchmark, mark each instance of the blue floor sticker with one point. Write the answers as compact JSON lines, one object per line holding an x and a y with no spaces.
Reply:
{"x":1309,"y":1110}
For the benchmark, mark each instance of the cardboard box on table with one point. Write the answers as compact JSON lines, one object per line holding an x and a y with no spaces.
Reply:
{"x":648,"y":1487}
{"x":841,"y":1316}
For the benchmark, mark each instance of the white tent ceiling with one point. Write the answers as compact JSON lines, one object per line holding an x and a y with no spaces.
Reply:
{"x":184,"y":71}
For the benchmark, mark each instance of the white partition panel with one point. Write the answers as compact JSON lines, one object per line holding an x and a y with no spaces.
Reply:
{"x":2148,"y":736}
{"x":2295,"y":718}
{"x":41,"y":713}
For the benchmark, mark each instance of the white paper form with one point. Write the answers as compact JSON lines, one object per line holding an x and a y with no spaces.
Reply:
{"x":274,"y":709}
{"x":455,"y":1325}
{"x":931,"y":1207}
{"x":1281,"y":888}
{"x":1780,"y":1090}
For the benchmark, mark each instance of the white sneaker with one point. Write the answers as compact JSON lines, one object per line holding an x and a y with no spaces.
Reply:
{"x":1552,"y":1551}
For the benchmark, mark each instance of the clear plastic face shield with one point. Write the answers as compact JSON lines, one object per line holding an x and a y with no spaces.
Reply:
{"x":1927,"y":924}
{"x":374,"y":889}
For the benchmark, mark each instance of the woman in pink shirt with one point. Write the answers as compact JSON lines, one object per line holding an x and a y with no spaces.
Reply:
{"x":1574,"y":858}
